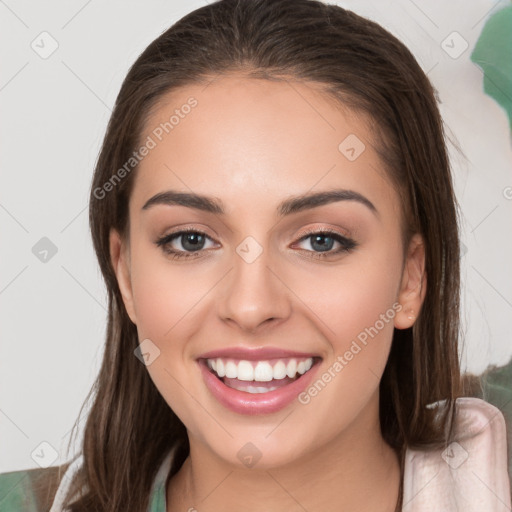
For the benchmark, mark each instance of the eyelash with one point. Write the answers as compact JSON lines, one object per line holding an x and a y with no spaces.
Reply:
{"x":347,"y":244}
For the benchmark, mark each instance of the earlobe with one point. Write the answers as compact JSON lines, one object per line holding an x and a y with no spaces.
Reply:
{"x":121,"y":264}
{"x":413,"y":286}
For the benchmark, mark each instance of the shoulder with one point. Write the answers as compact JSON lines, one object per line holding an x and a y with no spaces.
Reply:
{"x":29,"y":490}
{"x":470,"y":473}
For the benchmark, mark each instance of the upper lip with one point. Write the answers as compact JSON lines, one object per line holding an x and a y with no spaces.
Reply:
{"x":254,"y":354}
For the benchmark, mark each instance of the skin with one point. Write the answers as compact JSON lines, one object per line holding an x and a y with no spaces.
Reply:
{"x":251,"y":144}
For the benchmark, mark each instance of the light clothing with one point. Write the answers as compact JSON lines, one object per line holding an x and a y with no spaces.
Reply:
{"x":471,"y":475}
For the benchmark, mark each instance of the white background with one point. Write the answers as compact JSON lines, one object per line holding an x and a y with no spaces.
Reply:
{"x":53,"y":115}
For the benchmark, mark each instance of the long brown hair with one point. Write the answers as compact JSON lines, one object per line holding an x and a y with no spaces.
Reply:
{"x":130,"y":427}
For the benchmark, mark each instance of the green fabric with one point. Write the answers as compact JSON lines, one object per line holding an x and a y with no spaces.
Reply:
{"x":16,"y":493}
{"x":157,"y":501}
{"x":493,"y":53}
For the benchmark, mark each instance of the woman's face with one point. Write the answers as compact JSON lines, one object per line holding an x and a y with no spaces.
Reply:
{"x":255,"y":294}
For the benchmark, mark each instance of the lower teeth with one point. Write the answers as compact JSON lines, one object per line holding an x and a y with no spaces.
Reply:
{"x":258,"y":389}
{"x":240,"y":385}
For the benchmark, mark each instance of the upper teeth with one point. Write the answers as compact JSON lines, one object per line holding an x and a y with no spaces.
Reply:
{"x":261,"y":371}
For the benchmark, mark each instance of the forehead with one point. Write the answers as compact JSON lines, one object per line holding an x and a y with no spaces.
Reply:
{"x":241,"y":138}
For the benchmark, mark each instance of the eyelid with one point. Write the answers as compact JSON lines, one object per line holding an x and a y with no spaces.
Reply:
{"x":322,"y":229}
{"x":203,"y":230}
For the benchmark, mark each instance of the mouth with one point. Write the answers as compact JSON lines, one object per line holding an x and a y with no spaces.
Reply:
{"x":257,"y":386}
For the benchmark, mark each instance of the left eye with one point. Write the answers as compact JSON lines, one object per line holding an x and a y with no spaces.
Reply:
{"x":323,"y":241}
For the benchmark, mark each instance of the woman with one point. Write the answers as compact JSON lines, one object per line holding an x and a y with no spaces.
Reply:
{"x":273,"y":214}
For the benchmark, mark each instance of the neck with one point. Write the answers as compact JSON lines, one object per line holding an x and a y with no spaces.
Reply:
{"x":356,"y":471}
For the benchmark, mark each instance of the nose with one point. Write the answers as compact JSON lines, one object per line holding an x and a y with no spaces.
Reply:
{"x":254,"y":294}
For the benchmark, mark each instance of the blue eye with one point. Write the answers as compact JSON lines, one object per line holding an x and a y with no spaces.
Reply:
{"x":190,"y":240}
{"x":325,"y":240}
{"x":193,"y":243}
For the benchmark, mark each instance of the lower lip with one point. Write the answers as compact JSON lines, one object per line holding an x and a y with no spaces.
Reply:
{"x":243,"y":402}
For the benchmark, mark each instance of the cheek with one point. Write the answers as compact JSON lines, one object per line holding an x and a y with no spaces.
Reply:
{"x":166,"y":299}
{"x":351,"y":297}
{"x":164,"y":295}
{"x":354,"y":308}
{"x":357,"y":304}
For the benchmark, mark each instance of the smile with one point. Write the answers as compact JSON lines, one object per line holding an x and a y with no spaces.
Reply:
{"x":257,"y":386}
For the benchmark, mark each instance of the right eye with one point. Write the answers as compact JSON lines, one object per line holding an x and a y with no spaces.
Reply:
{"x":191,"y":241}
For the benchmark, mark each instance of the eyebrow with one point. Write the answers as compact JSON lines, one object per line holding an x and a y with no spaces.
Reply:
{"x":287,"y":207}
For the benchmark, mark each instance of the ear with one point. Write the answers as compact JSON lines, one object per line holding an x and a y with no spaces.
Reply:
{"x":120,"y":257}
{"x":414,"y":284}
